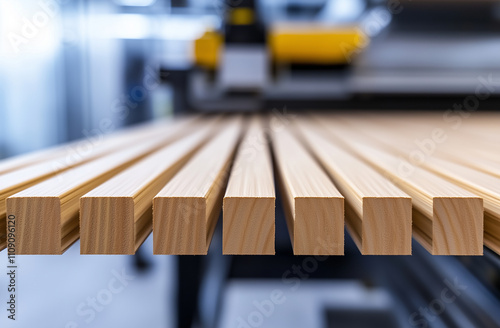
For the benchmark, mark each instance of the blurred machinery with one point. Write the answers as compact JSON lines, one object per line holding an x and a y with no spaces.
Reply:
{"x":340,"y":54}
{"x":379,"y":55}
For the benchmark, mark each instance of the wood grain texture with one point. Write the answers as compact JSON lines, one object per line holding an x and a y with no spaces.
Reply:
{"x":248,"y":206}
{"x":186,"y":210}
{"x":480,"y":184}
{"x":77,"y":150}
{"x":70,"y":157}
{"x":21,"y":161}
{"x":378,"y":214}
{"x":313,"y":206}
{"x":447,"y":220}
{"x":47,"y":213}
{"x":474,"y":145}
{"x":116,"y":217}
{"x":476,"y":182}
{"x":449,"y":164}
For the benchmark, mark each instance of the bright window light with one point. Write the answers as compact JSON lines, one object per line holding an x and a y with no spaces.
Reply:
{"x":135,"y":3}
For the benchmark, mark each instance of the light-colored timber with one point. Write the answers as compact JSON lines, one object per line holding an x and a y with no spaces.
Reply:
{"x":248,"y":206}
{"x":116,"y":217}
{"x":474,"y":181}
{"x":27,"y":176}
{"x":313,"y":206}
{"x":480,"y":184}
{"x":47,"y":214}
{"x":66,"y":153}
{"x":447,"y":162}
{"x":186,"y":210}
{"x":421,"y":138}
{"x":378,"y":214}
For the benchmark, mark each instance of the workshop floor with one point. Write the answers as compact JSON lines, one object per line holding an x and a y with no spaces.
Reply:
{"x":59,"y":291}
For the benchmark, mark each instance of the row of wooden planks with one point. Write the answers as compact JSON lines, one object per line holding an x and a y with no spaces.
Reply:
{"x":387,"y":177}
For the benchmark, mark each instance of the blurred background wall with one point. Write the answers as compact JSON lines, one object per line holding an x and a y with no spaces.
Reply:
{"x":68,"y":67}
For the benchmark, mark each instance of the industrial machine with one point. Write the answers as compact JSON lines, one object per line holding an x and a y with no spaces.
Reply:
{"x":342,"y":55}
{"x":339,"y":54}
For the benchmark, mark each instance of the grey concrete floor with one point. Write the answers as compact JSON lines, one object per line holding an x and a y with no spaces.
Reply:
{"x":73,"y":290}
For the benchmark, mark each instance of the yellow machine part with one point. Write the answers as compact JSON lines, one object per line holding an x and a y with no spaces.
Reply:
{"x":293,"y":44}
{"x":315,"y":44}
{"x":241,"y":16}
{"x":206,"y":49}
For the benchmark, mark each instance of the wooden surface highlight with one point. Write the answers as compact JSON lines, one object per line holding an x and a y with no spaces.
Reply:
{"x":470,"y":146}
{"x":47,"y":214}
{"x":116,"y":217}
{"x":313,"y":206}
{"x":186,"y":210}
{"x":84,"y":147}
{"x":378,"y":214}
{"x":248,"y":206}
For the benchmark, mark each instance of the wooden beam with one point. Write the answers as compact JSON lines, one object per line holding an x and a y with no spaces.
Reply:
{"x":248,"y":206}
{"x":378,"y":214}
{"x":73,"y":151}
{"x":424,"y":138}
{"x":314,"y":208}
{"x":116,"y":217}
{"x":447,"y":219}
{"x":18,"y":180}
{"x":479,"y":184}
{"x":186,"y":210}
{"x":21,"y":161}
{"x":47,"y":213}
